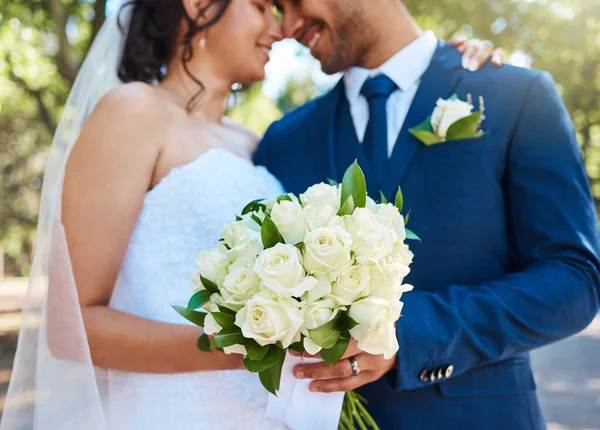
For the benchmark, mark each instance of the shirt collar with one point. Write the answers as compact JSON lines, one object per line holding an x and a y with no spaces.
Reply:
{"x":405,"y":68}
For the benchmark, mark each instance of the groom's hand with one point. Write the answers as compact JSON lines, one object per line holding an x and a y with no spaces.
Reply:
{"x":338,"y":377}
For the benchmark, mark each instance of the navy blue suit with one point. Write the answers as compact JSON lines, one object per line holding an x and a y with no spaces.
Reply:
{"x":509,"y":259}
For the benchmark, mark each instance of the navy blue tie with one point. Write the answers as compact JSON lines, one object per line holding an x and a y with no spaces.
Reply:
{"x":377,"y":90}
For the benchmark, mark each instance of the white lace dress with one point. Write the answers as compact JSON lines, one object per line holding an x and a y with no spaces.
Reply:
{"x":182,"y":215}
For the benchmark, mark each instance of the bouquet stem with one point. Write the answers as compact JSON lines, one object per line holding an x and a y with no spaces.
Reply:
{"x":355,"y":415}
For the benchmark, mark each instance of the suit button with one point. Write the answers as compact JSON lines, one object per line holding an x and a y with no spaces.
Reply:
{"x":448,"y":371}
{"x":440,"y":373}
{"x":423,"y":376}
{"x":432,"y":376}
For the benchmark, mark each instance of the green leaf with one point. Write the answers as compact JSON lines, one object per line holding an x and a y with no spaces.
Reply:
{"x":192,"y":316}
{"x":424,"y":126}
{"x":239,"y":218}
{"x":300,"y":246}
{"x":203,"y":343}
{"x":465,"y":128}
{"x":271,"y":377}
{"x":223,"y":319}
{"x":226,"y":310}
{"x":399,"y":200}
{"x":270,"y":358}
{"x":328,"y":334}
{"x":332,"y":182}
{"x":297,"y":346}
{"x":251,"y":207}
{"x":256,"y":219}
{"x":383,"y":199}
{"x":411,"y":235}
{"x":199,"y":299}
{"x":209,"y":285}
{"x":406,"y":217}
{"x":254,"y":350}
{"x":228,"y":337}
{"x":426,"y":137}
{"x":351,"y":322}
{"x":284,"y":197}
{"x":335,"y":353}
{"x":270,"y":233}
{"x":347,"y":208}
{"x":354,"y":184}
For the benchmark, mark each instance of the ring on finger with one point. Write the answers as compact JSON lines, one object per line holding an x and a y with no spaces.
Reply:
{"x":354,"y":365}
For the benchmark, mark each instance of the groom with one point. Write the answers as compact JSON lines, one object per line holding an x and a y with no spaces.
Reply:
{"x":509,"y":258}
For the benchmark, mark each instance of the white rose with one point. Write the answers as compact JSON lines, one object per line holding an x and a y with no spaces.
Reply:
{"x":327,"y":251}
{"x":269,"y":319}
{"x":315,"y":315}
{"x":322,"y":195}
{"x":241,"y":284}
{"x":319,"y":216}
{"x":211,"y":327}
{"x":235,"y":349}
{"x":447,"y":113}
{"x":351,"y":285}
{"x":289,"y":218}
{"x":386,"y":280}
{"x":280,"y":270}
{"x":213,"y":265}
{"x":371,"y":238}
{"x":322,"y":289}
{"x":376,"y":330}
{"x":242,"y":240}
{"x":388,"y":213}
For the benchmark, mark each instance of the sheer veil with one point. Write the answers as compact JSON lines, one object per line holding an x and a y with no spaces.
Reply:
{"x":54,"y":384}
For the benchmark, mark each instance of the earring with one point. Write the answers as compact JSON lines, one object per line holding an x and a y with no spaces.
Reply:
{"x":203,"y":43}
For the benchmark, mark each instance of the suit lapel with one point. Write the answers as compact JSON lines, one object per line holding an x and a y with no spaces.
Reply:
{"x":440,"y":80}
{"x":322,"y":134}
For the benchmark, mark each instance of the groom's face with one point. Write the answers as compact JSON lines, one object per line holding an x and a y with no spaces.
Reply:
{"x":334,"y":30}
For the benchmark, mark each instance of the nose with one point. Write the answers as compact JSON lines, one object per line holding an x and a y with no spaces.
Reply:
{"x":274,"y":30}
{"x":292,"y":23}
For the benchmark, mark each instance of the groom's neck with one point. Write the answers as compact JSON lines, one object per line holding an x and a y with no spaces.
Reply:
{"x":393,"y":29}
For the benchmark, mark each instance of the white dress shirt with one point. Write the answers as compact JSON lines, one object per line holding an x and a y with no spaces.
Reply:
{"x":406,"y":69}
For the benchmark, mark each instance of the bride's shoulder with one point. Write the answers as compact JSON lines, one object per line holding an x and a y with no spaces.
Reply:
{"x":134,"y":99}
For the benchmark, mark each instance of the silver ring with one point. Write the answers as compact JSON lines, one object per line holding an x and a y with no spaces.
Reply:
{"x":354,"y":364}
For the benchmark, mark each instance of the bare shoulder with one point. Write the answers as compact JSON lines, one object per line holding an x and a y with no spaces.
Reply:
{"x":248,"y":137}
{"x":132,"y":101}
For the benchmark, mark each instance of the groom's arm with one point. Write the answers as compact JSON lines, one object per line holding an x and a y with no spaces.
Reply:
{"x":554,"y":227}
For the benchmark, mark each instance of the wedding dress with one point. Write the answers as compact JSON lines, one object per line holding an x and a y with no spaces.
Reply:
{"x":180,"y":216}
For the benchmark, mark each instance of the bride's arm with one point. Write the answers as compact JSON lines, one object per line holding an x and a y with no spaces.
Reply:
{"x":107,"y":177}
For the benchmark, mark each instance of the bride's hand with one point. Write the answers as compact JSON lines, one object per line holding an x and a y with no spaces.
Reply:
{"x":477,"y":52}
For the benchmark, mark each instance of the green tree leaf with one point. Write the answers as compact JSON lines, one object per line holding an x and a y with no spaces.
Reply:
{"x":252,"y":206}
{"x":199,"y":299}
{"x":354,"y":185}
{"x":223,"y":319}
{"x":226,"y":310}
{"x":228,"y":337}
{"x":383,"y":199}
{"x":297,"y":346}
{"x":465,"y":128}
{"x":426,"y":137}
{"x":271,"y":377}
{"x":192,"y":316}
{"x":203,"y":343}
{"x":209,"y":285}
{"x":270,"y":233}
{"x":328,"y":334}
{"x":335,"y":353}
{"x":347,"y":208}
{"x":406,"y":218}
{"x":270,"y":358}
{"x":255,"y":351}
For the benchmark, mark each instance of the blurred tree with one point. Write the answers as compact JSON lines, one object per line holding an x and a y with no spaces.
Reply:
{"x":42,"y":44}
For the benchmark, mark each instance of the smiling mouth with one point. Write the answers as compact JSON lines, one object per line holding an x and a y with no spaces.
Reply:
{"x":265,"y":49}
{"x":310,"y":36}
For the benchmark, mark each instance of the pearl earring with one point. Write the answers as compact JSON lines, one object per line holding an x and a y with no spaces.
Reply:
{"x":203,"y":43}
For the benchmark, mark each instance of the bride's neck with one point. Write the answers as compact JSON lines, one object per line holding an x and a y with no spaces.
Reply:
{"x":210,"y":103}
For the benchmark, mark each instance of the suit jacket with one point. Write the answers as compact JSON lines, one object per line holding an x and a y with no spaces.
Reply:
{"x":509,"y":258}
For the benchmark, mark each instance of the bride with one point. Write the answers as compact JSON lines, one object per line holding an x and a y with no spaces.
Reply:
{"x":141,"y":176}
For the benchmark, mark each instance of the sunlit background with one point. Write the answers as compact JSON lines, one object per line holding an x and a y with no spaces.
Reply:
{"x":43,"y":42}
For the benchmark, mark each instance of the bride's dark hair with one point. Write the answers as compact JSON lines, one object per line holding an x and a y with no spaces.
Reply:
{"x":152,"y":36}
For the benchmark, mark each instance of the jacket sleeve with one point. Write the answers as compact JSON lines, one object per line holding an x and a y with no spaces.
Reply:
{"x":555,"y":241}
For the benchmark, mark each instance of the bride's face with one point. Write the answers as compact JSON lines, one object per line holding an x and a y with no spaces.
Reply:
{"x":239,"y":43}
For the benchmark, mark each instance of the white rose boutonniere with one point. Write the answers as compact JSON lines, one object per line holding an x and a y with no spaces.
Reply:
{"x":452,"y":119}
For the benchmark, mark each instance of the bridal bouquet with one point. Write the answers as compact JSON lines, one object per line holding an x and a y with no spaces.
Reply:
{"x":305,"y":273}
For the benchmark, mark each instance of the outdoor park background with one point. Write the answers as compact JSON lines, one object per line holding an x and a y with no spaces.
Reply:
{"x":43,"y":42}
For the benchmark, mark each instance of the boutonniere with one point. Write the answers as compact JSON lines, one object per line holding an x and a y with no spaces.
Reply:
{"x":452,"y":119}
